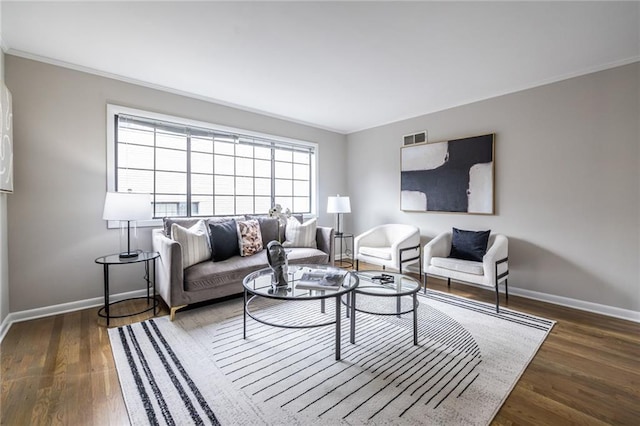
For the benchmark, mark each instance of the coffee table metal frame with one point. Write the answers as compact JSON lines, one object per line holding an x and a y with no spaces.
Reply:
{"x":258,"y":285}
{"x":365,"y":288}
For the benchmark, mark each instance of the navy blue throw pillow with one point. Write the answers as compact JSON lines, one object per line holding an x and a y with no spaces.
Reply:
{"x":224,"y":240}
{"x":469,"y":245}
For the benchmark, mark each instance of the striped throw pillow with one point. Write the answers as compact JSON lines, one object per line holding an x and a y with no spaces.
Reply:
{"x":300,"y":234}
{"x":194,"y":242}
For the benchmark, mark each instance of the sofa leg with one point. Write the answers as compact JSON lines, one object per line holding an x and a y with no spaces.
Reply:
{"x":172,"y":315}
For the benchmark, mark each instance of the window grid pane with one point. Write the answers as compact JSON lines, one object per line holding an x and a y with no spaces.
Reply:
{"x":203,"y":172}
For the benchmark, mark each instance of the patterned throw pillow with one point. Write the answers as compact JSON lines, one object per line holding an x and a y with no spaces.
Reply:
{"x":194,"y":242}
{"x":300,"y":234}
{"x":249,"y":237}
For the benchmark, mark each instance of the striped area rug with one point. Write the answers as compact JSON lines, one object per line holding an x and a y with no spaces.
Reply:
{"x":199,"y":370}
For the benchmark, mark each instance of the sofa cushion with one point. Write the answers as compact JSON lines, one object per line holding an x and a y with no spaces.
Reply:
{"x":188,"y":222}
{"x":466,"y":266}
{"x":232,"y":270}
{"x":306,"y":255}
{"x":224,"y":240}
{"x":249,"y":237}
{"x":194,"y":242}
{"x":469,"y":245}
{"x":379,"y":252}
{"x":300,"y":234}
{"x":269,"y":228}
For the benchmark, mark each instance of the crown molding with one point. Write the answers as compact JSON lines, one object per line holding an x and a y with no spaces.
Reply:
{"x":118,"y":77}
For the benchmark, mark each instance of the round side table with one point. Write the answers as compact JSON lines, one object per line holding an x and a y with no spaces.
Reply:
{"x":115,"y":259}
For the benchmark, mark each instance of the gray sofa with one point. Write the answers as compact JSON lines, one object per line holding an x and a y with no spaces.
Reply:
{"x":207,"y":280}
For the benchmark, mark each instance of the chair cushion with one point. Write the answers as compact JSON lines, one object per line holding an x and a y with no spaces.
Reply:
{"x":379,"y":252}
{"x":459,"y":265}
{"x":469,"y":245}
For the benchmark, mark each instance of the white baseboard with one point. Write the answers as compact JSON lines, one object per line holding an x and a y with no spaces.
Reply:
{"x":62,"y":308}
{"x":596,"y":308}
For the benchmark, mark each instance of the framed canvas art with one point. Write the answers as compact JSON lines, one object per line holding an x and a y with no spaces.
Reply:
{"x":6,"y":141}
{"x":450,"y":176}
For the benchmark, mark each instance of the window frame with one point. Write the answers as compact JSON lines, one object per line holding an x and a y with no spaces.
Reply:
{"x":115,"y":110}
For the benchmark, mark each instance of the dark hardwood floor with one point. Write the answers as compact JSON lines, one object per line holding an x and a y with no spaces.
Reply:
{"x":60,"y":370}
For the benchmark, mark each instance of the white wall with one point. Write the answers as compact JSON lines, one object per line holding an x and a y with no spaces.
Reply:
{"x":55,"y":215}
{"x":567,"y":183}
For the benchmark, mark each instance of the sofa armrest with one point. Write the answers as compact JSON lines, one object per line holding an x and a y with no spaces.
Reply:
{"x":439,"y":246}
{"x":324,"y":241}
{"x":169,"y":272}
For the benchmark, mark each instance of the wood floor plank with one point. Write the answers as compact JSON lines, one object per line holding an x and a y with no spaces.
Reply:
{"x":60,"y":369}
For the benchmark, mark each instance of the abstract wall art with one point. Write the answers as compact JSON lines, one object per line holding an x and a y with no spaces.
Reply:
{"x":450,"y":176}
{"x":6,"y":140}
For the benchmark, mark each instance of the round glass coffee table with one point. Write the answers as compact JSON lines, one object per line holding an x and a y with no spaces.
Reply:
{"x":385,"y":284}
{"x":257,"y":285}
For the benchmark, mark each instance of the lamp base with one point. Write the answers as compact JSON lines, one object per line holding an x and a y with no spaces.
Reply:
{"x":128,"y":255}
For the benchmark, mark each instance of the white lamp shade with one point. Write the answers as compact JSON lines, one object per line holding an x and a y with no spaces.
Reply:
{"x":127,"y":206}
{"x":339,"y":204}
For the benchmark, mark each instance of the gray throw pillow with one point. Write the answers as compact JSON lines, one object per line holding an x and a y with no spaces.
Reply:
{"x":268,"y":228}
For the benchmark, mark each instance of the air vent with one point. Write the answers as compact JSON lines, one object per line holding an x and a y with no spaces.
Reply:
{"x":415,"y":138}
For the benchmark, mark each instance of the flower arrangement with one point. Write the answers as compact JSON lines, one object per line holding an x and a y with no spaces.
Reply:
{"x":282,"y":215}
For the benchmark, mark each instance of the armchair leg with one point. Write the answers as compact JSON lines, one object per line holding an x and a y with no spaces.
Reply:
{"x":497,"y":300}
{"x":424,"y":281}
{"x":506,"y":289}
{"x":449,"y":282}
{"x":357,"y":265}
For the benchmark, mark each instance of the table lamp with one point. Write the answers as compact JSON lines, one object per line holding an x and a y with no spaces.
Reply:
{"x":338,"y":205}
{"x":127,"y":207}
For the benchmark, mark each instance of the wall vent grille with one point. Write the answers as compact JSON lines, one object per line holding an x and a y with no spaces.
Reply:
{"x":415,"y":138}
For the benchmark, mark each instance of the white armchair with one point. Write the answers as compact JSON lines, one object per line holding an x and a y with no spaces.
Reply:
{"x":391,"y":245}
{"x":493,"y":269}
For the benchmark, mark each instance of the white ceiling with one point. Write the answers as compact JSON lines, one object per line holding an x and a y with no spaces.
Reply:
{"x":342,"y":66}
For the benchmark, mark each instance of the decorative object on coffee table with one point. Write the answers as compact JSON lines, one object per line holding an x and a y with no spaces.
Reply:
{"x":277,"y":258}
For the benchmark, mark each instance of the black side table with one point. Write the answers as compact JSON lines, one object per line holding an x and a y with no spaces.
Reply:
{"x":347,"y":240}
{"x":115,"y":259}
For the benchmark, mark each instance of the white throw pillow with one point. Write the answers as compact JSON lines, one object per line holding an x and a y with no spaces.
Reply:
{"x":194,"y":242}
{"x":300,"y":234}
